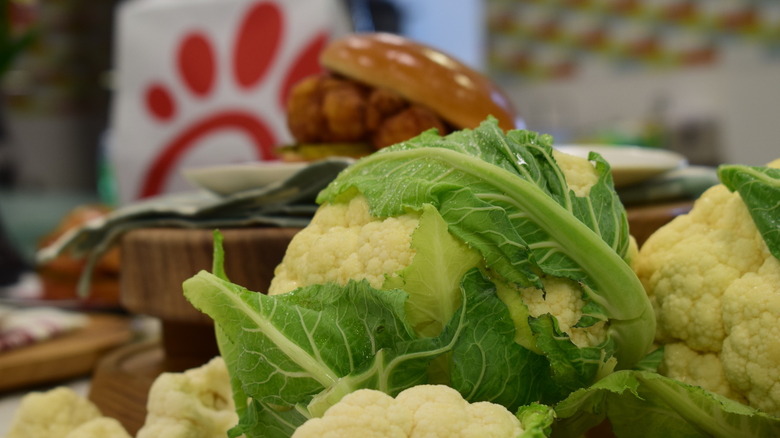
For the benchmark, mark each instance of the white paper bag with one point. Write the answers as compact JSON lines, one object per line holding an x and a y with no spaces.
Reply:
{"x":203,"y":82}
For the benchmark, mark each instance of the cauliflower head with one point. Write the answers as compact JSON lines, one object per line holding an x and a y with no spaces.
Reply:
{"x":61,"y":412}
{"x":428,"y":411}
{"x":715,"y":288}
{"x":196,"y":403}
{"x":345,"y":242}
{"x":483,"y":260}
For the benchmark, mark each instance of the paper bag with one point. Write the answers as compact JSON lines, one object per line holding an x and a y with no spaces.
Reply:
{"x":204,"y":82}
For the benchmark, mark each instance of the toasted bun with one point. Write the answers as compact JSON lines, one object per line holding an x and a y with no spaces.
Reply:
{"x":423,"y":75}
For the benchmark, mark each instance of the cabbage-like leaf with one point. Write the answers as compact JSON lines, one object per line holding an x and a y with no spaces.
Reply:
{"x":643,"y":404}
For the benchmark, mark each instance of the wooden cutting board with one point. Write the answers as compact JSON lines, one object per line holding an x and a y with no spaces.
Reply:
{"x":68,"y":356}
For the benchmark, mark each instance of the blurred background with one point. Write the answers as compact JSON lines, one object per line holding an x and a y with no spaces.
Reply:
{"x":698,"y":77}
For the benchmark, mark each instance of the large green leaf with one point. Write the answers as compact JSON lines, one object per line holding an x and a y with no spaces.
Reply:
{"x":643,"y":404}
{"x":295,"y":345}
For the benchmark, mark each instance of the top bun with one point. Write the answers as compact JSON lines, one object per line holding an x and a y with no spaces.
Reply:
{"x":421,"y":74}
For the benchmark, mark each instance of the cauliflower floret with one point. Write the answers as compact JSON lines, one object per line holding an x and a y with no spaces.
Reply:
{"x":103,"y":427}
{"x":364,"y":413}
{"x":57,"y":413}
{"x":563,"y":298}
{"x":425,"y":411}
{"x":579,"y":173}
{"x":751,"y":350}
{"x":715,"y":288}
{"x":195,"y":403}
{"x":343,"y":242}
{"x":702,"y":369}
{"x":688,"y":264}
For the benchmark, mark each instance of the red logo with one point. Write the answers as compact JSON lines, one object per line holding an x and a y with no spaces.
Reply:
{"x":257,"y":43}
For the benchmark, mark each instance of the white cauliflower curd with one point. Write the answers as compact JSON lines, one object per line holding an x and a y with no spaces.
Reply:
{"x":715,"y":288}
{"x":196,"y":403}
{"x":61,"y":412}
{"x":424,"y":411}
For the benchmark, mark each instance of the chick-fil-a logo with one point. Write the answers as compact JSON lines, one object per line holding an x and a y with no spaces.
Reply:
{"x":255,"y":49}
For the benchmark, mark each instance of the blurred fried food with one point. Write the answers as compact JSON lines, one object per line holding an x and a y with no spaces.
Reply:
{"x":329,"y":109}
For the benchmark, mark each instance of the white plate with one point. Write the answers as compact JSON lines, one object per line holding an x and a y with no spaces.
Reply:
{"x":232,"y":178}
{"x":630,"y":164}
